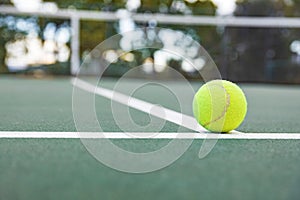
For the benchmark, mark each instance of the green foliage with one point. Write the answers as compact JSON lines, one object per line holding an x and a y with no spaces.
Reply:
{"x":202,"y":8}
{"x":7,"y":33}
{"x":93,"y":33}
{"x":238,"y":51}
{"x":5,"y":2}
{"x":104,"y":5}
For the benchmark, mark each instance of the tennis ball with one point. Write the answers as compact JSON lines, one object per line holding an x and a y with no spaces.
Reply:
{"x":220,"y":106}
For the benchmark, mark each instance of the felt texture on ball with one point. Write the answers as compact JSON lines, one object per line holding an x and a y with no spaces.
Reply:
{"x":220,"y":106}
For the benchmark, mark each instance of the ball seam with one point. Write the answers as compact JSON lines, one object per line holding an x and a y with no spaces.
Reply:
{"x":224,"y":111}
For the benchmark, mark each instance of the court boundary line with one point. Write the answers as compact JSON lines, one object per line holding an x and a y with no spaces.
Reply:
{"x":146,"y":135}
{"x":143,"y":106}
{"x":140,"y":105}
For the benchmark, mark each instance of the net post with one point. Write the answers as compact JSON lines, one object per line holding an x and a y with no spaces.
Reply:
{"x":75,"y":45}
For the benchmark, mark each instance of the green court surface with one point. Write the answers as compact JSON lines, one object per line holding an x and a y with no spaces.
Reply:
{"x":63,"y":169}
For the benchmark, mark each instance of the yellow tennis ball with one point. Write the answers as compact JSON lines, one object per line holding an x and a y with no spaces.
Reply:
{"x":220,"y":106}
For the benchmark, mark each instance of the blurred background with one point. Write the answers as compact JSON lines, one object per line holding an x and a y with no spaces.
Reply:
{"x":45,"y":38}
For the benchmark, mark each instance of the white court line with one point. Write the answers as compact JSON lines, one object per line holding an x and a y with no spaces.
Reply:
{"x":122,"y":135}
{"x":167,"y":114}
{"x":159,"y":111}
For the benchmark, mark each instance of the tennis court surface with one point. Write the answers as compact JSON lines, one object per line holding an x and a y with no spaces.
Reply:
{"x":111,"y":99}
{"x":35,"y":168}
